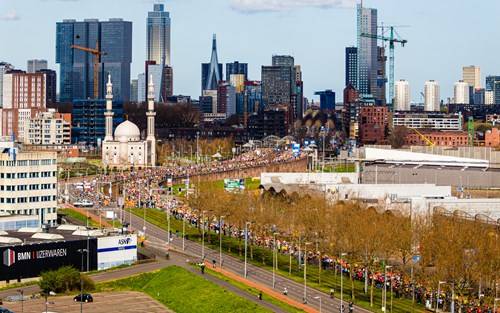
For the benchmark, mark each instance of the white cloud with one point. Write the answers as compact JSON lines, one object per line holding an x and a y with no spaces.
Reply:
{"x":257,"y":6}
{"x":10,"y":16}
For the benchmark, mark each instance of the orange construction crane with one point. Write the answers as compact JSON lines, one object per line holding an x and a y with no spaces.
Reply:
{"x":97,"y":59}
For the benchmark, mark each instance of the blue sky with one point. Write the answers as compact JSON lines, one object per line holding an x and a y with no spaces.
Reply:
{"x":443,"y":35}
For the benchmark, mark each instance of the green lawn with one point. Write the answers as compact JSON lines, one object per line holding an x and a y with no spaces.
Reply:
{"x":263,"y":257}
{"x":184,"y":292}
{"x":82,"y":219}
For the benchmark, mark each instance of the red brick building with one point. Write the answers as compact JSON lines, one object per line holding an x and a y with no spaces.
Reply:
{"x":373,"y":124}
{"x":492,"y":138}
{"x":439,"y":138}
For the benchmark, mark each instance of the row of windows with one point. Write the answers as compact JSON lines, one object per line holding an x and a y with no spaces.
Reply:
{"x":28,"y":162}
{"x":30,"y":211}
{"x":25,"y":187}
{"x":29,"y":175}
{"x":27,"y":200}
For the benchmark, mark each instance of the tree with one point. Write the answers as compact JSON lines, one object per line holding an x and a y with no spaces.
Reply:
{"x":397,"y":138}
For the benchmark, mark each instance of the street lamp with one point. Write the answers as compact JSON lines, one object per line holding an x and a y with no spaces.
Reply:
{"x":275,"y":258}
{"x":305,"y":270}
{"x":384,"y":302}
{"x":438,"y":292}
{"x":341,"y":283}
{"x":220,"y":240}
{"x":318,"y":298}
{"x":82,"y":251}
{"x":203,"y":235}
{"x":246,"y":247}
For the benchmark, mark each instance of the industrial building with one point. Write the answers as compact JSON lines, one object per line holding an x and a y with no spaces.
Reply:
{"x":29,"y":251}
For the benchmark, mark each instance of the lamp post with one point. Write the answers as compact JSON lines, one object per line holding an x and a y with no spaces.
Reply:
{"x":220,"y":240}
{"x":203,"y":236}
{"x":82,"y":251}
{"x":305,"y":270}
{"x":246,"y":248}
{"x":384,"y":302}
{"x":341,"y":283}
{"x":318,"y":298}
{"x":275,"y":258}
{"x":438,"y":292}
{"x":184,"y":232}
{"x":168,"y":226}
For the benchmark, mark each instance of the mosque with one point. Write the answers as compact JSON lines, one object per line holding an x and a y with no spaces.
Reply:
{"x":126,"y":149}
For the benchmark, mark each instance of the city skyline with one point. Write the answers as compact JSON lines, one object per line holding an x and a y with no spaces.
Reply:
{"x":430,"y":37}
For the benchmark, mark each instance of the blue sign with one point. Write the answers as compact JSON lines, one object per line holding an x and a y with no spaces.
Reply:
{"x":296,"y":149}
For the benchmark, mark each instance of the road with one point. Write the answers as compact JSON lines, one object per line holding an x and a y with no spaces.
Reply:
{"x":256,"y":274}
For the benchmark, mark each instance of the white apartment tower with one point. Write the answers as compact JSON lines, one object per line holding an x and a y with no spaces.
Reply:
{"x":432,"y":97}
{"x":461,"y":94}
{"x":402,"y":95}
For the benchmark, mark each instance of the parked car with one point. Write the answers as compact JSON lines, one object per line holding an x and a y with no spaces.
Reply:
{"x":86,"y":297}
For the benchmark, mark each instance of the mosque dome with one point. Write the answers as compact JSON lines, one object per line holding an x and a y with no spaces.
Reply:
{"x":127,"y":131}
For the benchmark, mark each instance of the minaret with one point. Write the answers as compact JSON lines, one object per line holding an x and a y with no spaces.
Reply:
{"x":150,"y":139}
{"x":109,"y":110}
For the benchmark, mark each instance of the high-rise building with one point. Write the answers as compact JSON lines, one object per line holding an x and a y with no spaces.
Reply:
{"x":489,"y":97}
{"x":351,"y":66}
{"x":326,"y":99}
{"x":113,"y":37}
{"x":141,"y":88}
{"x":35,"y":65}
{"x":490,"y":82}
{"x":461,"y":92}
{"x":211,"y":73}
{"x":238,"y":82}
{"x":283,"y":60}
{"x":253,"y":96}
{"x":472,"y":76}
{"x":50,"y":86}
{"x":4,"y":68}
{"x":379,"y":93}
{"x":226,"y":99}
{"x":367,"y":51}
{"x":277,"y":85}
{"x":167,"y":83}
{"x":134,"y":88}
{"x":479,"y":96}
{"x":49,"y":128}
{"x":236,"y":68}
{"x":432,"y":97}
{"x":158,"y":35}
{"x":402,"y":95}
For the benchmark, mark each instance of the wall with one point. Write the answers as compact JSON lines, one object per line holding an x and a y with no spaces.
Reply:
{"x":115,"y":251}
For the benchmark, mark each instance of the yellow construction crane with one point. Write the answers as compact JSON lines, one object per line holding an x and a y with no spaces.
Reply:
{"x":96,"y":53}
{"x":427,"y":140}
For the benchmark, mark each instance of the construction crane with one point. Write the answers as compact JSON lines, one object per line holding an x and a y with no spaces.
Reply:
{"x":392,"y":39}
{"x":96,"y":53}
{"x":427,"y":140}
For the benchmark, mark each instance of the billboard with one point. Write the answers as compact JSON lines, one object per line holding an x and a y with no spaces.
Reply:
{"x":234,"y":184}
{"x":115,"y":251}
{"x":29,"y":260}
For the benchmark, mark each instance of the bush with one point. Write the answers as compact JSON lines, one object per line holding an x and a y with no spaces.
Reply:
{"x":64,"y":279}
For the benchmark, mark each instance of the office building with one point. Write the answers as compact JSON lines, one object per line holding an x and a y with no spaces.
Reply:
{"x":326,"y":100}
{"x":49,"y":128}
{"x":298,"y":73}
{"x":461,"y":92}
{"x":35,"y":65}
{"x":28,"y":183}
{"x":213,"y":94}
{"x":428,"y":120}
{"x":4,"y":68}
{"x":236,"y":68}
{"x":113,"y":37}
{"x":226,"y":99}
{"x":277,"y":85}
{"x":88,"y":123}
{"x":253,"y":96}
{"x":351,"y":66}
{"x":432,"y":97}
{"x":141,"y":87}
{"x":402,"y":95}
{"x":211,"y":73}
{"x":490,"y":82}
{"x":167,"y":83}
{"x":134,"y":90}
{"x":283,"y":60}
{"x":438,"y":138}
{"x":155,"y":75}
{"x":158,"y":35}
{"x":238,"y":82}
{"x":380,"y":90}
{"x":272,"y":122}
{"x":367,"y":51}
{"x":479,"y":96}
{"x":472,"y":76}
{"x":50,"y":86}
{"x":205,"y":104}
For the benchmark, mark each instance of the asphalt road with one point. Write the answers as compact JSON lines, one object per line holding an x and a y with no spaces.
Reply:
{"x":256,"y":274}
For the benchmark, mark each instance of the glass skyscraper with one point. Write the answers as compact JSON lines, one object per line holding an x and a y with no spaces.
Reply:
{"x":236,"y":68}
{"x":158,"y":34}
{"x":113,"y":37}
{"x":367,"y":51}
{"x":351,"y":66}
